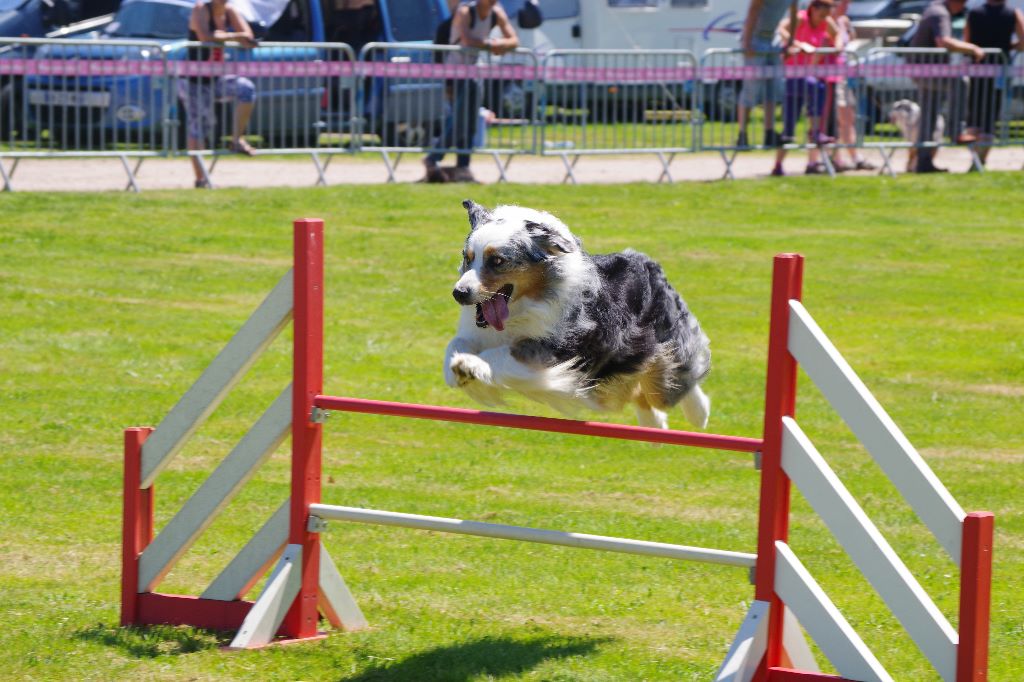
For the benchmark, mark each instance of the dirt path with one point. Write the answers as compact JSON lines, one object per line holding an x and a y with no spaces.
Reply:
{"x":108,"y":174}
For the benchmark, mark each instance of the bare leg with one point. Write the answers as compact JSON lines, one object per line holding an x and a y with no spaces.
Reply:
{"x":195,"y":145}
{"x":243,"y":112}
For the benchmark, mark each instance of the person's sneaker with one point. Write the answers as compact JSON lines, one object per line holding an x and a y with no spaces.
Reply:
{"x":777,"y":172}
{"x":864,"y":164}
{"x":461,"y":174}
{"x":930,"y":168}
{"x":202,"y":183}
{"x":434,"y":174}
{"x":742,"y":142}
{"x":815,"y":169}
{"x":841,"y":166}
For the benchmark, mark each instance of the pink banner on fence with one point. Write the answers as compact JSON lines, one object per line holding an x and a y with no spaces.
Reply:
{"x":80,"y":67}
{"x":600,"y":74}
{"x":430,"y":71}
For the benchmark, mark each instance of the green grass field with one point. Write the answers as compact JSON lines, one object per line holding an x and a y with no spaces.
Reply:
{"x":113,"y":304}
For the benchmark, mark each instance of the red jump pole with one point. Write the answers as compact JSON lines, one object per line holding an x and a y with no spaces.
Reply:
{"x":136,"y":522}
{"x":975,"y":597}
{"x":308,"y":359}
{"x":779,"y":402}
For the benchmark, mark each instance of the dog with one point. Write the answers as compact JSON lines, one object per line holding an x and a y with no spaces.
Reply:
{"x":905,"y":114}
{"x":542,"y":317}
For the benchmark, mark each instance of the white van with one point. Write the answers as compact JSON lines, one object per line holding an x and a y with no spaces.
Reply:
{"x":694,"y":25}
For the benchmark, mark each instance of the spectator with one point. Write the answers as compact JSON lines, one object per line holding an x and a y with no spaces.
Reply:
{"x":761,"y":47}
{"x":216,"y":21}
{"x":935,"y":29}
{"x":814,"y":30}
{"x":991,"y":25}
{"x":357,"y":22}
{"x":844,"y":98}
{"x":472,"y":23}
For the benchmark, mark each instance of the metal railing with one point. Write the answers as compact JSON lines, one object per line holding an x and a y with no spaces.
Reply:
{"x":599,"y":102}
{"x":128,"y":99}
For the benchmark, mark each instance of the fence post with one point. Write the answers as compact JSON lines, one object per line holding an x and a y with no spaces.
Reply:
{"x":780,"y":401}
{"x":301,"y":620}
{"x":975,"y":597}
{"x":136,"y":522}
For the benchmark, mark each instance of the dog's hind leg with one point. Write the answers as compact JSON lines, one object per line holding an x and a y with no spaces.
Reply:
{"x":697,"y":407}
{"x":648,"y":415}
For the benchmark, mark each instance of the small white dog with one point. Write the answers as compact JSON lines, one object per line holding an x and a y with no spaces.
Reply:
{"x":905,"y":114}
{"x":545,"y":319}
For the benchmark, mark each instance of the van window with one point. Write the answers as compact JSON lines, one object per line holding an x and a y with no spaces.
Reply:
{"x":551,"y":9}
{"x":559,"y":9}
{"x":411,"y":21}
{"x":633,"y":3}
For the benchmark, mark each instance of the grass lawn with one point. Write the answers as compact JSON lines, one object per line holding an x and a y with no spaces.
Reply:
{"x":112,"y":305}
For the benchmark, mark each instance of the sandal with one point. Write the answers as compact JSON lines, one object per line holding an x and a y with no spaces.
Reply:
{"x":815,"y":169}
{"x":242,"y":147}
{"x":864,"y":164}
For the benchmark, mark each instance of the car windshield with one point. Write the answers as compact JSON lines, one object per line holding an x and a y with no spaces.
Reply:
{"x":150,"y":20}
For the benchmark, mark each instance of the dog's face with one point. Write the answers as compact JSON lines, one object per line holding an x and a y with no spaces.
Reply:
{"x":508,"y":256}
{"x":905,"y":115}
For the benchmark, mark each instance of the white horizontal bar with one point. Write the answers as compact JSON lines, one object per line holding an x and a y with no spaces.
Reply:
{"x":217,"y":380}
{"x":870,"y":551}
{"x":822,"y":620}
{"x":217,"y":490}
{"x":868,"y":420}
{"x":547,"y":537}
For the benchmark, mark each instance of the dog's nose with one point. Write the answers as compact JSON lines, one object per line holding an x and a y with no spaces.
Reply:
{"x":462,"y":295}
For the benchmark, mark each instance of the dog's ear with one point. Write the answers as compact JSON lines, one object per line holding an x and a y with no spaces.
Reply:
{"x":478,"y":215}
{"x":549,"y":240}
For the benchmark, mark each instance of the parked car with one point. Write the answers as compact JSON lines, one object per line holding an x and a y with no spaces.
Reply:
{"x":139,"y":109}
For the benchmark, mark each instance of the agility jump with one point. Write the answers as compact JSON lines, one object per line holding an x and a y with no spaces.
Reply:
{"x":305,"y":582}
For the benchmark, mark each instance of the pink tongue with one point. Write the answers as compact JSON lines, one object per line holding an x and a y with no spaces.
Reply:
{"x":495,"y":311}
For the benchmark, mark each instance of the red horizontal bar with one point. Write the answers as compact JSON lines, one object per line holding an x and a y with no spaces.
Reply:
{"x":176,"y":609}
{"x":519,"y":421}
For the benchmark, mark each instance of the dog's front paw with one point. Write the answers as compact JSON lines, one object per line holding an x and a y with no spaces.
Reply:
{"x":466,"y":367}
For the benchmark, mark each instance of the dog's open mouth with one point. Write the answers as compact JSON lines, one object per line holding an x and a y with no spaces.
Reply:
{"x":494,"y":311}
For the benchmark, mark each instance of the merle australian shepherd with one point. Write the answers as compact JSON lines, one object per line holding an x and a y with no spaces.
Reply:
{"x":543,"y":318}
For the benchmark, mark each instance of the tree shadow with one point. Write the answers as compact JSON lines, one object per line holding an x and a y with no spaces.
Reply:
{"x":151,"y":641}
{"x":491,"y":656}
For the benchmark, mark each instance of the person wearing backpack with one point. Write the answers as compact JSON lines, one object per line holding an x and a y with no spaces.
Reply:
{"x":472,"y":24}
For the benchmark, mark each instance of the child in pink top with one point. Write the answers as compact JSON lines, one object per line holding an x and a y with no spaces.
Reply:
{"x":815,"y":29}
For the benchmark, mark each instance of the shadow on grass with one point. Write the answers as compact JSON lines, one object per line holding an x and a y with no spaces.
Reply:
{"x":495,"y":657}
{"x":154,"y":640}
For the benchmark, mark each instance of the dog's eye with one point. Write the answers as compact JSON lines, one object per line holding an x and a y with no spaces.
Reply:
{"x":496,"y":261}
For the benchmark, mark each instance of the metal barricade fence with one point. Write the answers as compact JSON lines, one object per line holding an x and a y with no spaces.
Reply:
{"x":126,"y":99}
{"x":767,"y":101}
{"x":72,"y":97}
{"x":1013,"y":113}
{"x":921,"y":99}
{"x":618,"y":102}
{"x":440,"y":99}
{"x":281,"y":98}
